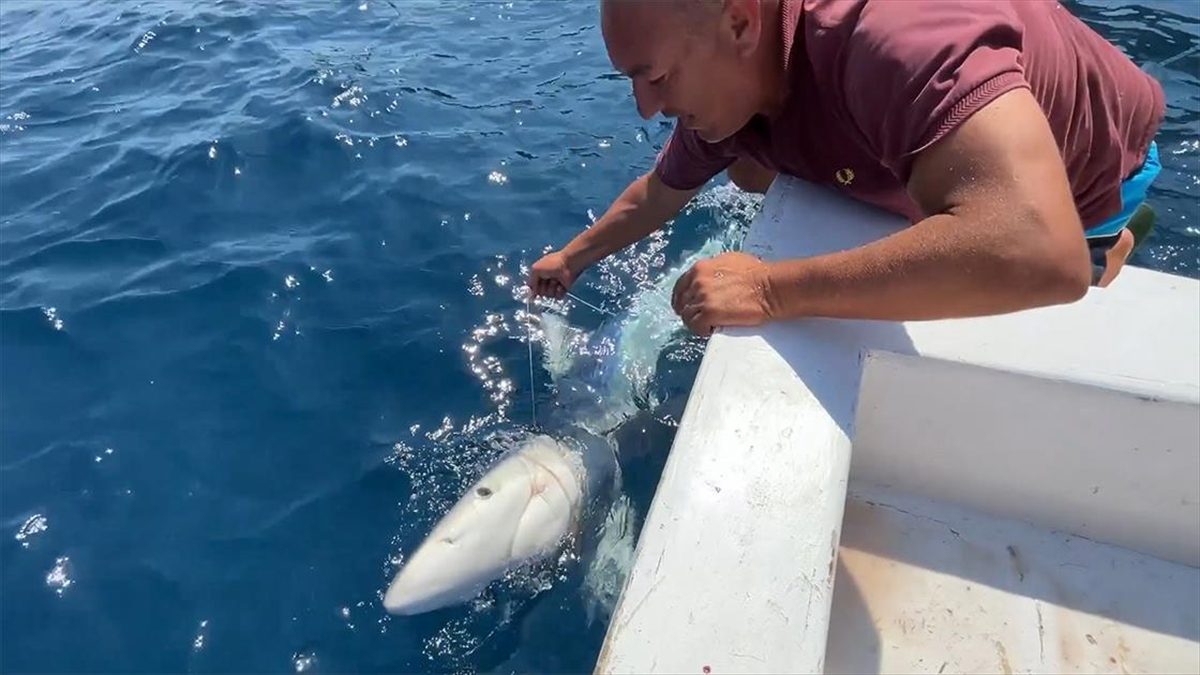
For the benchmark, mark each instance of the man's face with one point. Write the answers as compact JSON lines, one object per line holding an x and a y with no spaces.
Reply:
{"x":682,"y":66}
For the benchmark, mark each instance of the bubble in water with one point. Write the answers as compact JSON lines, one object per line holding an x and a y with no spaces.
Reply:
{"x":442,"y":431}
{"x":59,"y":577}
{"x":304,"y":661}
{"x":35,"y":525}
{"x":401,"y":452}
{"x":353,"y":96}
{"x":15,"y":117}
{"x":327,"y":275}
{"x":201,"y":636}
{"x":52,"y":316}
{"x":497,"y":178}
{"x":1187,"y":146}
{"x":605,"y":143}
{"x":145,"y":41}
{"x":290,"y":281}
{"x":212,"y":151}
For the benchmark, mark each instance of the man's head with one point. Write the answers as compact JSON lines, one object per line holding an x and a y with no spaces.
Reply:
{"x":705,"y":62}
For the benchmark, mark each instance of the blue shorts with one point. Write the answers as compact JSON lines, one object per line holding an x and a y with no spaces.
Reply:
{"x":1133,"y":194}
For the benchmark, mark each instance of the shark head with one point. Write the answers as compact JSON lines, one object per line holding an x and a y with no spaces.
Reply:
{"x":518,"y":512}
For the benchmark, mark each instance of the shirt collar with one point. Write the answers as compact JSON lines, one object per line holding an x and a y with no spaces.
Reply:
{"x":790,"y":12}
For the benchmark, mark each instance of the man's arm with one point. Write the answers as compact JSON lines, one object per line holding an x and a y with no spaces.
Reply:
{"x":645,"y":206}
{"x":1004,"y":234}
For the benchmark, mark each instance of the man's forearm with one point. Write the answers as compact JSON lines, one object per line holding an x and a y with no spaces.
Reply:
{"x":641,"y":209}
{"x":940,"y":268}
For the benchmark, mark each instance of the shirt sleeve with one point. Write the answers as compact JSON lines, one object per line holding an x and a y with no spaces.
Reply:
{"x":915,"y":70}
{"x":687,"y":161}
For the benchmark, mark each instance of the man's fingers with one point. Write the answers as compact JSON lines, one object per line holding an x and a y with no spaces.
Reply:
{"x":684,"y":281}
{"x":548,"y":287}
{"x":692,"y":316}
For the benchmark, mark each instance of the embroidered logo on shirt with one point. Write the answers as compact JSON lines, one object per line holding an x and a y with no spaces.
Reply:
{"x":844,"y":176}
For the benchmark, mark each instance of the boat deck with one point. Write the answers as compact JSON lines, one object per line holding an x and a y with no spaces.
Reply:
{"x":925,"y":587}
{"x":1015,"y":493}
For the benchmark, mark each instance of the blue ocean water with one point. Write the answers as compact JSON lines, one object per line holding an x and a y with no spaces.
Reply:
{"x":258,"y":325}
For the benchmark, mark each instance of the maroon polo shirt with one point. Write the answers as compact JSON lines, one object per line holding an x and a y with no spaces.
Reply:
{"x":872,"y":83}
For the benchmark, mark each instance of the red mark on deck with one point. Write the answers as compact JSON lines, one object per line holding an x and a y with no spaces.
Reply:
{"x":707,"y":670}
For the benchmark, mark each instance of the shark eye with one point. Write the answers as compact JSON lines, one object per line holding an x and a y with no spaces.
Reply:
{"x":483,"y":492}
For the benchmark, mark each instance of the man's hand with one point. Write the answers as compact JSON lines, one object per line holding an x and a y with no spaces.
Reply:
{"x":551,"y":276}
{"x":728,"y":290}
{"x":641,"y":209}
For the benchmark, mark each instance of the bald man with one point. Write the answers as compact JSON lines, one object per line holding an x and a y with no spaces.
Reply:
{"x":1015,"y":139}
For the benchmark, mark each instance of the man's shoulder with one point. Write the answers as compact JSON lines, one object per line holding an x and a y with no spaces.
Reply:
{"x":886,"y":22}
{"x":687,"y":161}
{"x":903,"y":73}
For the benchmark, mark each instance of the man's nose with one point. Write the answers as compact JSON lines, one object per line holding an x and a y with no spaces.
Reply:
{"x":648,"y":103}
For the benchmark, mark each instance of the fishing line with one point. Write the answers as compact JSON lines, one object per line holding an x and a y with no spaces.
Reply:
{"x":585,"y":303}
{"x":1180,"y":55}
{"x":529,"y":343}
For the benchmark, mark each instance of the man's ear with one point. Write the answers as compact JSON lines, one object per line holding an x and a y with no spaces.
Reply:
{"x":741,"y":21}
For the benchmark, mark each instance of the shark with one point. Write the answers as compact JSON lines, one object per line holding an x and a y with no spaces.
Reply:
{"x":534,"y":499}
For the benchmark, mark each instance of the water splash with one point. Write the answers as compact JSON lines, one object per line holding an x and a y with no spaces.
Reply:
{"x":15,"y":117}
{"x":147,"y":38}
{"x":59,"y":576}
{"x":32,"y":527}
{"x":304,"y":661}
{"x":51,"y":314}
{"x":201,"y":636}
{"x":445,"y":461}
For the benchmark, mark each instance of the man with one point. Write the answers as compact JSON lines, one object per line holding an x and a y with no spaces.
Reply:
{"x":1016,"y":140}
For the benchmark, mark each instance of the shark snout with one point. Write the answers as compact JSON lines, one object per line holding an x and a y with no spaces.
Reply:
{"x":519,"y":511}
